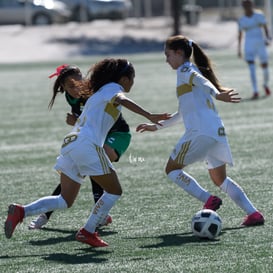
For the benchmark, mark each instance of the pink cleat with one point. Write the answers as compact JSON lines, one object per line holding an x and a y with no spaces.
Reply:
{"x":91,"y":239}
{"x":255,"y":96}
{"x":267,"y":90}
{"x":213,"y":203}
{"x":254,"y":219}
{"x":15,"y":216}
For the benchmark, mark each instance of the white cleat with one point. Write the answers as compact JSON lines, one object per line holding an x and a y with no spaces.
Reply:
{"x":39,"y":222}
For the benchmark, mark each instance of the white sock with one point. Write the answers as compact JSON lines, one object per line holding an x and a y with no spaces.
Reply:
{"x":237,"y":194}
{"x":100,"y":211}
{"x":189,"y":184}
{"x":252,"y":70}
{"x":45,"y":204}
{"x":266,"y":76}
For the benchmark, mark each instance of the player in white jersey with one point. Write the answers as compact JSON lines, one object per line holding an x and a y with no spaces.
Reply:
{"x":257,"y":37}
{"x":82,"y":152}
{"x":204,"y":138}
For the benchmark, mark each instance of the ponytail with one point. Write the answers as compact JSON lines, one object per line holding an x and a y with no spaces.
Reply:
{"x":200,"y":59}
{"x":203,"y":63}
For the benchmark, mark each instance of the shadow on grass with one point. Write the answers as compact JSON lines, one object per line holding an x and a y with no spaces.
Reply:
{"x":91,"y":256}
{"x":70,"y":237}
{"x":233,"y":228}
{"x":170,"y":240}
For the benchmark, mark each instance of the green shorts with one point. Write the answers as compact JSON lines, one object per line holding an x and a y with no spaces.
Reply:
{"x":119,"y":141}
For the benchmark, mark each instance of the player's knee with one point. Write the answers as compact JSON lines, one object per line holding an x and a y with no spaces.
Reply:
{"x":68,"y":202}
{"x":116,"y":190}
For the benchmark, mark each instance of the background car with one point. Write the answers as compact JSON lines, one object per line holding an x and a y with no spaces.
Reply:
{"x":35,"y":12}
{"x":86,"y":10}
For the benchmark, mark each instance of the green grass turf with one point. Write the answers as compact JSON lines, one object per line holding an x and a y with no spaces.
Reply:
{"x":151,"y":222}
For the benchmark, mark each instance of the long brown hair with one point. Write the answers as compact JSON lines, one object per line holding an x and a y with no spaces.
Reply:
{"x":200,"y":59}
{"x":66,"y":71}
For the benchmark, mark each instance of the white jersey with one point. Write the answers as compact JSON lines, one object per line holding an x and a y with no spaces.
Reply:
{"x":196,"y":106}
{"x":252,"y":26}
{"x":99,"y":114}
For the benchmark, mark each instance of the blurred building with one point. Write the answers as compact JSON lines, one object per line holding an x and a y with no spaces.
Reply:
{"x":148,"y":8}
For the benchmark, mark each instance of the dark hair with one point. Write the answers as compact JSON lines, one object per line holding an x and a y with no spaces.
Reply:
{"x":67,"y":71}
{"x":247,"y":2}
{"x":109,"y":70}
{"x":201,"y":60}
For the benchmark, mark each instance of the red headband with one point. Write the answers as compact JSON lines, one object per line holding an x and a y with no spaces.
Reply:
{"x":58,"y":70}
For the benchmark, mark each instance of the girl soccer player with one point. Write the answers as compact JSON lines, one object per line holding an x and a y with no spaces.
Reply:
{"x":253,"y":23}
{"x":204,"y":138}
{"x":82,"y":152}
{"x":117,"y":140}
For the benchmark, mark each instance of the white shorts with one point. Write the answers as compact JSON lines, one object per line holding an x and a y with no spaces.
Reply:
{"x":82,"y":158}
{"x":256,"y":48}
{"x":202,"y":148}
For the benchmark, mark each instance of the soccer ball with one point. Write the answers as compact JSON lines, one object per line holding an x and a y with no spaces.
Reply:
{"x":206,"y":223}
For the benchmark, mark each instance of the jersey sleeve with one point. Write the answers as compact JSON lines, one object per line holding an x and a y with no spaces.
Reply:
{"x":261,"y":19}
{"x":200,"y":80}
{"x":111,"y":93}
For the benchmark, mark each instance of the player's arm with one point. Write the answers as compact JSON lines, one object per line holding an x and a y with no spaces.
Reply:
{"x":267,"y":35}
{"x":71,"y":118}
{"x":174,"y":119}
{"x":132,"y":106}
{"x":200,"y":80}
{"x":226,"y":95}
{"x":240,"y":35}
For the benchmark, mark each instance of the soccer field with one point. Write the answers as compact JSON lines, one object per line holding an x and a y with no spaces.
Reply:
{"x":151,"y":222}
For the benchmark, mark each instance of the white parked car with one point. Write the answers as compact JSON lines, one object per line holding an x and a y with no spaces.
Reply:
{"x":86,"y":10}
{"x":35,"y":12}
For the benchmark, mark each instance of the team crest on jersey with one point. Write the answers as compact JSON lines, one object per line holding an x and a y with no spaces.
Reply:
{"x":185,"y":69}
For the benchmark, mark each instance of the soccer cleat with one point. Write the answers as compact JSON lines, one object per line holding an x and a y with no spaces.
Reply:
{"x":213,"y":203}
{"x":107,"y":221}
{"x":254,"y":219}
{"x":255,"y":96}
{"x":91,"y":239}
{"x":267,"y":90}
{"x":15,"y":216}
{"x":39,"y":222}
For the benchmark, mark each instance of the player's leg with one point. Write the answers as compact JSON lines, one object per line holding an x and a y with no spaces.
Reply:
{"x":68,"y":194}
{"x":97,"y":194}
{"x":263,"y":55}
{"x":250,"y":53}
{"x":217,"y":172}
{"x":266,"y":78}
{"x":43,"y":218}
{"x":112,"y":192}
{"x":115,"y":146}
{"x":187,"y":153}
{"x":253,"y":78}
